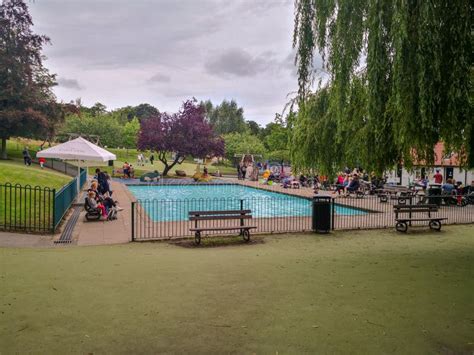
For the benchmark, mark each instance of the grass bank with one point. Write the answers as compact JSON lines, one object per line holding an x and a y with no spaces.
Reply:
{"x":353,"y":292}
{"x":16,"y":146}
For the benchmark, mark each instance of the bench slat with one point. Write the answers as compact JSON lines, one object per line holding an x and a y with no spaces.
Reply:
{"x":204,"y":213}
{"x":221,"y":229}
{"x":219,"y":218}
{"x":419,"y":219}
{"x":415,"y":206}
{"x":416,"y":210}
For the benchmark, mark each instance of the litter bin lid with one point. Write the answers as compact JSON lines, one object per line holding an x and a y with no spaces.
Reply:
{"x":322,"y":198}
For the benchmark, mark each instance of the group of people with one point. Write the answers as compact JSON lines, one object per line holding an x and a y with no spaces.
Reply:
{"x":99,"y":195}
{"x":142,"y":160}
{"x":128,"y":170}
{"x":247,"y":171}
{"x":27,"y":158}
{"x":347,"y":183}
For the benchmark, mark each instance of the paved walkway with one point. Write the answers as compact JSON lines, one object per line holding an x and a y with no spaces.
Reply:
{"x":17,"y":240}
{"x":107,"y":232}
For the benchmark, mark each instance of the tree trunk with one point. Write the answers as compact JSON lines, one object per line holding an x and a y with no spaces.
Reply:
{"x":166,"y":169}
{"x":4,"y":149}
{"x":169,"y":167}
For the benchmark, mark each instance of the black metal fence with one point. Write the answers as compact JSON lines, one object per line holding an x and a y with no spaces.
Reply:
{"x":26,"y":208}
{"x":371,"y":211}
{"x":165,"y":219}
{"x":38,"y":209}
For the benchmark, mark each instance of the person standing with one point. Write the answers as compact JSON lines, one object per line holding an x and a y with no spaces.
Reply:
{"x":151,"y":159}
{"x":26,"y":156}
{"x":438,"y":178}
{"x":239,"y":171}
{"x":42,"y":161}
{"x":244,"y":171}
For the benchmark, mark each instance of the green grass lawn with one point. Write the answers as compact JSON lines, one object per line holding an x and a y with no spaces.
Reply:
{"x":15,"y":172}
{"x":349,"y":292}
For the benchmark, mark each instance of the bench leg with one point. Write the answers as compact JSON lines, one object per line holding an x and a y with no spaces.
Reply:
{"x":246,"y":235}
{"x":197,"y":238}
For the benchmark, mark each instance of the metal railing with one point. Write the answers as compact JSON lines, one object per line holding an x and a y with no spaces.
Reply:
{"x":36,"y":209}
{"x":65,"y":197}
{"x":26,"y":208}
{"x":380,"y":214}
{"x":166,"y":219}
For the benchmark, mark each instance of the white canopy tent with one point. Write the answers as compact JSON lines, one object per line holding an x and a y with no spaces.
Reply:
{"x":79,"y":150}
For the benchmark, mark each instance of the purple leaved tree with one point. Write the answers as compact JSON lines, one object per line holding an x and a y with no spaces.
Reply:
{"x":185,"y":133}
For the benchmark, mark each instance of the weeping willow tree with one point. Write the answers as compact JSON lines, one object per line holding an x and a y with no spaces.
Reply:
{"x":400,"y":80}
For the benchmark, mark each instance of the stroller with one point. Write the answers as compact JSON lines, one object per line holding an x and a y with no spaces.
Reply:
{"x":94,"y":214}
{"x":91,"y":212}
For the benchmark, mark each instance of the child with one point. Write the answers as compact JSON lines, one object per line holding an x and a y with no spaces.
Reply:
{"x":94,"y":204}
{"x":42,"y":161}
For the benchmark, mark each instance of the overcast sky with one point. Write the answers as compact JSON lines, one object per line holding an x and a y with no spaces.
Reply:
{"x":127,"y":52}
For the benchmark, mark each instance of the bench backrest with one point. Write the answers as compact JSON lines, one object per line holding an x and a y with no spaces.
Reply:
{"x":219,"y":215}
{"x":415,"y":208}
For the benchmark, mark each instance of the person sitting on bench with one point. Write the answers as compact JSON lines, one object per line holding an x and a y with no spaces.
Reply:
{"x":342,"y":187}
{"x":107,"y":201}
{"x":353,"y":185}
{"x":96,"y":205}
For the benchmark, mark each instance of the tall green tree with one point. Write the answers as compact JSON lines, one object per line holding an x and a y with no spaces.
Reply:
{"x":25,"y":84}
{"x":130,"y":133}
{"x":415,"y":59}
{"x":227,"y":117}
{"x":242,"y":143}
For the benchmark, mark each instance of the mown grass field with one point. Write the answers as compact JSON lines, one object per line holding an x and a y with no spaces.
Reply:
{"x":361,"y":292}
{"x":15,"y":172}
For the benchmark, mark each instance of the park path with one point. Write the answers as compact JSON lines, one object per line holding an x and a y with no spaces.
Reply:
{"x":107,"y":232}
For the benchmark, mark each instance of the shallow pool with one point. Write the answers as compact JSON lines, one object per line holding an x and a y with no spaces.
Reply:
{"x":173,"y":202}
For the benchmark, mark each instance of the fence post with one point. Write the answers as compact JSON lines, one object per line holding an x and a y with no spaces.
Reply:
{"x":241,"y":208}
{"x":133,"y":221}
{"x":54,"y":211}
{"x":333,"y":210}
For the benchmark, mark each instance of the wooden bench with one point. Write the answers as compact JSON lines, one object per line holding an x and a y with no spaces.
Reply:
{"x":399,"y":193}
{"x":403,"y":222}
{"x":214,"y":217}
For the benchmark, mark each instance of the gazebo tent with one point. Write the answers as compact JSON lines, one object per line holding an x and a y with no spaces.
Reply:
{"x":78,"y":150}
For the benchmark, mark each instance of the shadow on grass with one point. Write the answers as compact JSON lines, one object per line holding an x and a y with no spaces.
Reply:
{"x":217,"y":241}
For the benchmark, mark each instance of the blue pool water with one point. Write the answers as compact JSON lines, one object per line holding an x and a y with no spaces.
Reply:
{"x":173,"y":202}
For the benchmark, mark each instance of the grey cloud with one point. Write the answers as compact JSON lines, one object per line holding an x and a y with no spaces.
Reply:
{"x":159,"y":78}
{"x":145,"y":45}
{"x":69,"y":83}
{"x":239,"y":62}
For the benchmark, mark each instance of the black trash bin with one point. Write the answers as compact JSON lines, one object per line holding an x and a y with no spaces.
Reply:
{"x":321,"y":214}
{"x":434,"y":196}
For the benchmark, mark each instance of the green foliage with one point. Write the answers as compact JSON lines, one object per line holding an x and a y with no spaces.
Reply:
{"x":226,"y":117}
{"x":254,"y":128}
{"x":242,"y":143}
{"x":106,"y":126}
{"x":417,"y":74}
{"x":276,"y":142}
{"x":26,"y":98}
{"x":130,"y":133}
